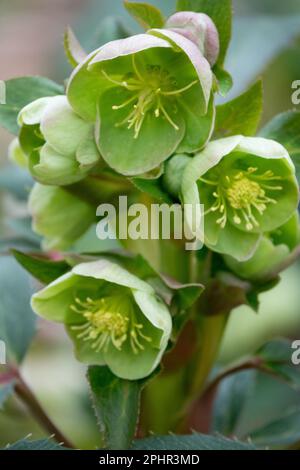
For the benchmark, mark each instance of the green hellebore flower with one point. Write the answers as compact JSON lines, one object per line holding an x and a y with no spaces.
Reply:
{"x":198,"y":28}
{"x":247,"y":186}
{"x":59,"y":144}
{"x":113,"y":317}
{"x":59,"y":216}
{"x":150,"y":94}
{"x":273,"y":249}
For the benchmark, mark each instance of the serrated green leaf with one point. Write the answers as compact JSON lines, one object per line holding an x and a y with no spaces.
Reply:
{"x":148,"y":16}
{"x":285,"y":129}
{"x":279,"y":433}
{"x":74,"y":52}
{"x":42,"y":444}
{"x":42,"y":269}
{"x":220,"y":12}
{"x":192,"y":442}
{"x":21,"y":91}
{"x":17,"y":321}
{"x":116,"y":403}
{"x":241,"y":115}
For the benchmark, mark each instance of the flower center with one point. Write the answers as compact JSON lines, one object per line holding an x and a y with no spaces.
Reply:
{"x":151,"y":92}
{"x":245,"y":192}
{"x":110,"y":320}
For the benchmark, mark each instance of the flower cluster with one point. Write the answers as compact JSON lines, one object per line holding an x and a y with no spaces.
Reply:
{"x":137,"y":108}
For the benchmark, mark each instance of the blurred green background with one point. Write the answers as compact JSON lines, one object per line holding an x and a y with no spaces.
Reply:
{"x":266,"y":42}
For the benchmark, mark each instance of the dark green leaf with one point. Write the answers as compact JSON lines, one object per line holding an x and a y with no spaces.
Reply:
{"x":43,"y":444}
{"x":116,"y":403}
{"x":21,"y":91}
{"x":279,"y":433}
{"x":241,"y":115}
{"x":285,"y":128}
{"x":230,"y":402}
{"x":220,"y":12}
{"x":148,"y":16}
{"x":42,"y":269}
{"x":17,"y":321}
{"x":192,"y":442}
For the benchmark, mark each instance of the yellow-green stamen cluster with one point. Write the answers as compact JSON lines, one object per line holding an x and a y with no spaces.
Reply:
{"x":108,"y":323}
{"x":245,"y":192}
{"x":152,"y":91}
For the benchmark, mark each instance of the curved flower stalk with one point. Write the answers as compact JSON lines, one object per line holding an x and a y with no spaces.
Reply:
{"x":113,"y":317}
{"x":198,"y":28}
{"x":247,"y":186}
{"x":273,"y":249}
{"x":149,"y":94}
{"x":59,"y":145}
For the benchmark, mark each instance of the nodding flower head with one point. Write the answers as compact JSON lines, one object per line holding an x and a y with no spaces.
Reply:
{"x":247,"y":186}
{"x":113,"y":317}
{"x":142,"y":92}
{"x":59,"y":145}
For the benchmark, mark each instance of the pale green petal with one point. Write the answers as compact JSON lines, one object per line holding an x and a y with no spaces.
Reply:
{"x":111,"y":272}
{"x":128,"y":46}
{"x":87,"y":153}
{"x":59,"y":216}
{"x":156,"y":312}
{"x":157,"y":139}
{"x":53,"y":302}
{"x":200,"y":64}
{"x":32,"y":113}
{"x":62,"y":128}
{"x":266,"y":257}
{"x":240,"y":245}
{"x":265,"y":148}
{"x":56,"y":169}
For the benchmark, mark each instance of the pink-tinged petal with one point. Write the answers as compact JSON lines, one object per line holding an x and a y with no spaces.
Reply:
{"x":198,"y":28}
{"x":128,"y":46}
{"x":200,"y":64}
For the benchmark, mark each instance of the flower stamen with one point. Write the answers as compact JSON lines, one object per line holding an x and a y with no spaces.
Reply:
{"x":107,"y":323}
{"x":153,"y":91}
{"x":244,"y":192}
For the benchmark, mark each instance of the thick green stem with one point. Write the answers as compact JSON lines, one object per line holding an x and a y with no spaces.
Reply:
{"x":211,"y":333}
